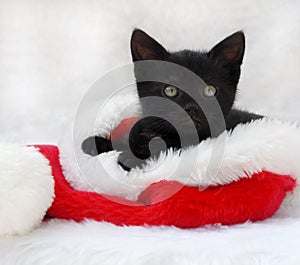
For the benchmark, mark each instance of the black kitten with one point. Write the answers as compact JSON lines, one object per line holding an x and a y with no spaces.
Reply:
{"x":219,"y":68}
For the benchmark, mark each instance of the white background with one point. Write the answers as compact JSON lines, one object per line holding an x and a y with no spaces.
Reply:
{"x":52,"y":51}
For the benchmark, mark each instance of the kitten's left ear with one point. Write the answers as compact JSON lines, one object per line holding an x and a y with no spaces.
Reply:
{"x":144,"y":47}
{"x":230,"y":51}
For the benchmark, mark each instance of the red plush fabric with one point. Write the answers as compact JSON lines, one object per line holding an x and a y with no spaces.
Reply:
{"x":256,"y":198}
{"x":124,"y":127}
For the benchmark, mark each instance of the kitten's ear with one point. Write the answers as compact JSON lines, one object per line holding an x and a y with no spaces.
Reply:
{"x":143,"y":47}
{"x":229,"y":51}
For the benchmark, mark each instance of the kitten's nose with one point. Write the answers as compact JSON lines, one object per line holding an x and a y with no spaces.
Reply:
{"x":191,"y":109}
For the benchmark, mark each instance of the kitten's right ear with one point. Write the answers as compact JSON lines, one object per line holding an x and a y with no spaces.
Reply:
{"x":229,"y":51}
{"x":143,"y":47}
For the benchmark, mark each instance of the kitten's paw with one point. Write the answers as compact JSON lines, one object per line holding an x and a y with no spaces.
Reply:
{"x":96,"y":145}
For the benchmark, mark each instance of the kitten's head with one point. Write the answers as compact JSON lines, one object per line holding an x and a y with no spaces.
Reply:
{"x":218,"y":67}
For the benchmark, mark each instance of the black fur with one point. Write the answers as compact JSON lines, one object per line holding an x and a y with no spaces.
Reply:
{"x":219,"y":67}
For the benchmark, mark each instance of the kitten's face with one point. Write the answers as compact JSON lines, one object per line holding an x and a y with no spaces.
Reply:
{"x":219,"y":68}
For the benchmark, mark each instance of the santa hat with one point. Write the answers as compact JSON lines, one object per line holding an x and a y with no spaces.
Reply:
{"x":258,"y":172}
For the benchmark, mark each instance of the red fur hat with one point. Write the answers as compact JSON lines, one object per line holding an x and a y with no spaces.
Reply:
{"x":43,"y":189}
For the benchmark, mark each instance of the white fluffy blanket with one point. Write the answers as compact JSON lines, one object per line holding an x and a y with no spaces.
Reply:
{"x":272,"y":242}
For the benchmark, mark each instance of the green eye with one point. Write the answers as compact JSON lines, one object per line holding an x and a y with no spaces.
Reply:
{"x":210,"y":91}
{"x":171,"y":91}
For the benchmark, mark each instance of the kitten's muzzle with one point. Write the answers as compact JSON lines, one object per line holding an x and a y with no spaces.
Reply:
{"x":191,"y":109}
{"x":195,"y":113}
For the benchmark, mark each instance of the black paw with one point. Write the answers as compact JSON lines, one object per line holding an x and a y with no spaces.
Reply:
{"x":96,"y":145}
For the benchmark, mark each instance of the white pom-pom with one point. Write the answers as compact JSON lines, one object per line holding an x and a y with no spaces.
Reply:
{"x":26,"y":188}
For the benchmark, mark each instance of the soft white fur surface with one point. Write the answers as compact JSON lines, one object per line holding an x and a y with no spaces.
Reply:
{"x":272,"y":242}
{"x":26,"y":188}
{"x":52,"y":51}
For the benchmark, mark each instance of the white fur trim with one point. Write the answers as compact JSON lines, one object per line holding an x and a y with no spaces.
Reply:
{"x":26,"y":188}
